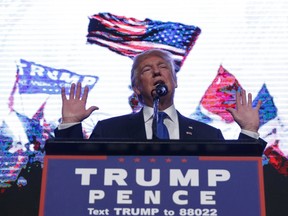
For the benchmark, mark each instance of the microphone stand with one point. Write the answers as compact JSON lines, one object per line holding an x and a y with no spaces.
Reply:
{"x":155,"y":116}
{"x":160,"y":90}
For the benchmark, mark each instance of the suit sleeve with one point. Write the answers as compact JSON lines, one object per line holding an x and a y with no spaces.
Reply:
{"x":245,"y":137}
{"x":74,"y":132}
{"x":97,"y":131}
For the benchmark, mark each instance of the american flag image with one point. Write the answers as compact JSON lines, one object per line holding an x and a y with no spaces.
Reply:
{"x":130,"y":36}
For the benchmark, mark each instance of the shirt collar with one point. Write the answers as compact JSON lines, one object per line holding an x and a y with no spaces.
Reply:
{"x":170,"y":111}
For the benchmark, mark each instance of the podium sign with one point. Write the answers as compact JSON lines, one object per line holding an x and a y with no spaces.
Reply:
{"x":152,"y":185}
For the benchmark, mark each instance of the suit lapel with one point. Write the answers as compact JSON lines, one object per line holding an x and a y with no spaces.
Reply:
{"x":136,"y":124}
{"x":185,"y":127}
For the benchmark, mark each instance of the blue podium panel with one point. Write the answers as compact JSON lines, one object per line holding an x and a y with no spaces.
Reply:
{"x":152,"y":185}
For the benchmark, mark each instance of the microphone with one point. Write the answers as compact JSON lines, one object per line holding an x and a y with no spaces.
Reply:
{"x":160,"y":90}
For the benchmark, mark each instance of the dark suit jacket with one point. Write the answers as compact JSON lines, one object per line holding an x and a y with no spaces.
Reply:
{"x":131,"y":126}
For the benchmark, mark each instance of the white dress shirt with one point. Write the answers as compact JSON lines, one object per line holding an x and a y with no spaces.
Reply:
{"x":171,"y":122}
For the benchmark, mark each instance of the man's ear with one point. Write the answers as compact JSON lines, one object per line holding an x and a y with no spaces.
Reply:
{"x":175,"y":82}
{"x":136,"y":90}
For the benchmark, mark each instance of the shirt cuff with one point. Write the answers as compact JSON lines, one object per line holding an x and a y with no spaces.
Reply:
{"x":252,"y":134}
{"x":66,"y":125}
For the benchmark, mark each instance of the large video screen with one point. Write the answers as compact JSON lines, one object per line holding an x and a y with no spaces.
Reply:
{"x":220,"y":46}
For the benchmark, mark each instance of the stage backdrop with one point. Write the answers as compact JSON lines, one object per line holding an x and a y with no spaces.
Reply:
{"x":220,"y":46}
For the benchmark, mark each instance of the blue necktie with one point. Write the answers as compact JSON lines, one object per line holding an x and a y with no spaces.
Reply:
{"x":162,"y":131}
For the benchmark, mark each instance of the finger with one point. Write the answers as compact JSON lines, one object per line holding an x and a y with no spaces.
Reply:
{"x":250,"y":100}
{"x":92,"y":109}
{"x":78,"y":91}
{"x":238,"y":99}
{"x":63,"y":94}
{"x":85,"y":94}
{"x":259,"y":105}
{"x":72,"y":91}
{"x":231,"y":110}
{"x":243,"y":97}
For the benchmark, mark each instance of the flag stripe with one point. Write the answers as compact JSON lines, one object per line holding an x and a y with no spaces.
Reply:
{"x":134,"y":47}
{"x":130,"y":36}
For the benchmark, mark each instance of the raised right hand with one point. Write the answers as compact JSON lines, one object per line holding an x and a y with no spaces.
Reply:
{"x":74,"y":107}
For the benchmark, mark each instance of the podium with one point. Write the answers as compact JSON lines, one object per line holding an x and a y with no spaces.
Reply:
{"x":132,"y":177}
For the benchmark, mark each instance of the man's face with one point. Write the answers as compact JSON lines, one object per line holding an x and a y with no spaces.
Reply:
{"x":152,"y":71}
